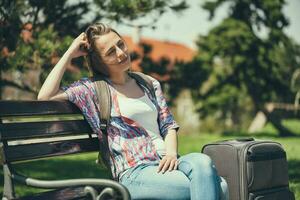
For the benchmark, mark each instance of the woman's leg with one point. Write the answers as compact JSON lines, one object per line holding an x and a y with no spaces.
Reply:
{"x":205,"y":183}
{"x":144,"y":182}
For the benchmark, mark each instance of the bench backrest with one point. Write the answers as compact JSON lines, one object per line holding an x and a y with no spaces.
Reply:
{"x":38,"y":129}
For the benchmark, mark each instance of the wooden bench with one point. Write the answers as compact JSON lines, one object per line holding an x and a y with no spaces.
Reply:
{"x":28,"y":140}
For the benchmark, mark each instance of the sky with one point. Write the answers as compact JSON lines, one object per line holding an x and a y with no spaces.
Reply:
{"x":185,"y":28}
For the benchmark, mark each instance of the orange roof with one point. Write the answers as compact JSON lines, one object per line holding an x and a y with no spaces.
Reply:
{"x":160,"y":49}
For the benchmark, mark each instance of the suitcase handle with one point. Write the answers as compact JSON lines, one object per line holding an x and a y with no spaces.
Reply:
{"x":244,"y":139}
{"x":238,"y":140}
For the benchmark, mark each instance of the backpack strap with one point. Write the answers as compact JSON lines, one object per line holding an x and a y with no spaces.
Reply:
{"x":144,"y":80}
{"x":104,"y":98}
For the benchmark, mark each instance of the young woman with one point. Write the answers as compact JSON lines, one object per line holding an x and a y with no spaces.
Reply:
{"x":142,"y":133}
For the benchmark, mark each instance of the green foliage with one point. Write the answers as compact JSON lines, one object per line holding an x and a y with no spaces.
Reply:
{"x":33,"y":55}
{"x":295,"y":83}
{"x":66,"y":18}
{"x":41,"y":14}
{"x":295,"y":86}
{"x":34,"y":33}
{"x":187,"y":75}
{"x":150,"y":66}
{"x":246,"y":68}
{"x":128,"y":10}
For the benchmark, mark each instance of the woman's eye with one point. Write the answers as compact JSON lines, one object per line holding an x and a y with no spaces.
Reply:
{"x":111,"y":52}
{"x":121,"y":45}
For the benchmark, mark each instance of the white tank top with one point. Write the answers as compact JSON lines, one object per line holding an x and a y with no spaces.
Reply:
{"x":144,"y":112}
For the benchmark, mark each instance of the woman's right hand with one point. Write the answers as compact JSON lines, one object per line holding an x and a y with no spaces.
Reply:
{"x":75,"y":50}
{"x":50,"y":88}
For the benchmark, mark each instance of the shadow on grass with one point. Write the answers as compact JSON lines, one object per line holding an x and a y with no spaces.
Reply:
{"x":294,"y":172}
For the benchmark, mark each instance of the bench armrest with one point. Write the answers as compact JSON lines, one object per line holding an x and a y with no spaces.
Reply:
{"x":90,"y":182}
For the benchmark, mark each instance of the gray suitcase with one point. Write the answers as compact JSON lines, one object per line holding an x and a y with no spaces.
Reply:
{"x":253,"y":169}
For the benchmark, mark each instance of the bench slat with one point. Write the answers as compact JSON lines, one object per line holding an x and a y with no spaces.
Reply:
{"x":26,"y":130}
{"x":25,"y":108}
{"x":50,"y":149}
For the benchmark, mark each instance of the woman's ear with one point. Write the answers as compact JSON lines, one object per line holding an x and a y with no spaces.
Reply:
{"x":97,"y":64}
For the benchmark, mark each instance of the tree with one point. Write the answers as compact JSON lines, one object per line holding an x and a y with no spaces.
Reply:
{"x":34,"y":33}
{"x":31,"y":35}
{"x":241,"y":64}
{"x":295,"y":85}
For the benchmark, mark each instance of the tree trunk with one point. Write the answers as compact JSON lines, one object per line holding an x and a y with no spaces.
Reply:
{"x":277,"y":123}
{"x":1,"y":85}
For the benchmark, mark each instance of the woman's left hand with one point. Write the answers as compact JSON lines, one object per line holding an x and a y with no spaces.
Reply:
{"x":168,"y":162}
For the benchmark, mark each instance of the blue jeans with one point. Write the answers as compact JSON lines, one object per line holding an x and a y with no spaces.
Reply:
{"x":195,"y":179}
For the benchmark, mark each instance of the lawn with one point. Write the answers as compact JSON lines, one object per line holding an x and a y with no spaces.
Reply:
{"x":83,"y":166}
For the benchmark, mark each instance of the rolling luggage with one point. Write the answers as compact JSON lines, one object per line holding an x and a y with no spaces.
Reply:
{"x":253,"y":169}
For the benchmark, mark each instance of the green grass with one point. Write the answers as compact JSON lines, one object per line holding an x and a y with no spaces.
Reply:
{"x":83,"y":166}
{"x":292,"y":124}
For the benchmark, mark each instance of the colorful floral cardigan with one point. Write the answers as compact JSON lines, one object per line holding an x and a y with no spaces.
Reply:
{"x":129,"y":143}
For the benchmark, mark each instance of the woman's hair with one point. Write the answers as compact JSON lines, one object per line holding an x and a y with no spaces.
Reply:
{"x":94,"y":59}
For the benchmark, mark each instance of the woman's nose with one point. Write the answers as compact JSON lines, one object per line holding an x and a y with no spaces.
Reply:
{"x":120,"y":54}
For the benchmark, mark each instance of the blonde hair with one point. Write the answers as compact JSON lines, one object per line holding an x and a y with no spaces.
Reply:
{"x":94,"y":60}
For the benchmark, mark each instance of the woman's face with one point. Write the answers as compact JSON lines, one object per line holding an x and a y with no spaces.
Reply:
{"x":114,"y":52}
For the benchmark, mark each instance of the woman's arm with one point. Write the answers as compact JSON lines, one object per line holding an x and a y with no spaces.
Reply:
{"x":169,"y":161}
{"x":171,"y":143}
{"x":168,"y":130}
{"x":50,"y":88}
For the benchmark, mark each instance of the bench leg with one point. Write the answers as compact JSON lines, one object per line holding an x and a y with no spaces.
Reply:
{"x":8,"y":190}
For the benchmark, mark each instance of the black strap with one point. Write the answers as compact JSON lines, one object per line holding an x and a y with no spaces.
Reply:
{"x":266,"y":156}
{"x":104,"y":100}
{"x":144,"y":80}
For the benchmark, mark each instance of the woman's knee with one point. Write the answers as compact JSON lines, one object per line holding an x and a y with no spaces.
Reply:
{"x":198,"y":160}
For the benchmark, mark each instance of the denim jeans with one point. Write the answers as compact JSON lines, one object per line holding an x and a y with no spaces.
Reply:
{"x":195,"y":179}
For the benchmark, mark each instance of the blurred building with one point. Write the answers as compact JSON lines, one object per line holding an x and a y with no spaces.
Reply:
{"x":160,"y":49}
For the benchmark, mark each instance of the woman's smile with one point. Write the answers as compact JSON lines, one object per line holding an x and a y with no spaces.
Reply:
{"x":124,"y":60}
